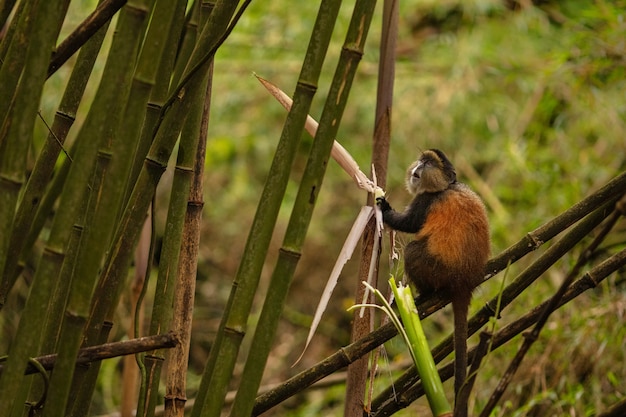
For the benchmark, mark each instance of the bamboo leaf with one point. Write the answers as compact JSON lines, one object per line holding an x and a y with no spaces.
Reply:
{"x":339,"y":153}
{"x":346,"y":253}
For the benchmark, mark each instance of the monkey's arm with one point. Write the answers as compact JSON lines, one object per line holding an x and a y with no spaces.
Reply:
{"x":409,"y":221}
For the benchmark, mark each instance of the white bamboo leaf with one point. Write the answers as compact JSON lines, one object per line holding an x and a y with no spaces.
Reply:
{"x":346,"y":253}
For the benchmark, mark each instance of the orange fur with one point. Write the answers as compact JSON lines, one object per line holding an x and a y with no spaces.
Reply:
{"x":457,"y":231}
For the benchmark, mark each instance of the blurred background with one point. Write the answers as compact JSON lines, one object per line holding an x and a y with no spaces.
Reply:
{"x":528,"y":99}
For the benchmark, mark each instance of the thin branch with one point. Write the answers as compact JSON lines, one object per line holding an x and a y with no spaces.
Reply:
{"x":83,"y":33}
{"x":110,"y":350}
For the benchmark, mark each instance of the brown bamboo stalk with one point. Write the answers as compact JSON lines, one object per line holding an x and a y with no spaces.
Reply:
{"x":362,"y":321}
{"x":176,"y":392}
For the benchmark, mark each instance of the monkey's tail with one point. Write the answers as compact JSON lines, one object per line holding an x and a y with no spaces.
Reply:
{"x":460,"y":306}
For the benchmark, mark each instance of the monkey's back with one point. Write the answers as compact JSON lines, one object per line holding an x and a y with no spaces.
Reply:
{"x":451,"y":248}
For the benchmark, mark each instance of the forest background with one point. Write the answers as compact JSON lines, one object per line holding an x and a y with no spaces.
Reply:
{"x":526,"y":98}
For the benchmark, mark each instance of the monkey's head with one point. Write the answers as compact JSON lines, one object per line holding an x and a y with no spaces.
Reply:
{"x":431,"y":173}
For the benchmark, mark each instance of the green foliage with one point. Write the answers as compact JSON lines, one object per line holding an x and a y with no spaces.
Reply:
{"x":527,"y":101}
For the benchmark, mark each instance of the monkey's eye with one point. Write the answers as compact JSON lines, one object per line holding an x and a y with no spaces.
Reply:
{"x":425,"y":163}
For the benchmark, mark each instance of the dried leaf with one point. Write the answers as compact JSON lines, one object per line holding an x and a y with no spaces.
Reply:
{"x":339,"y":153}
{"x":346,"y":253}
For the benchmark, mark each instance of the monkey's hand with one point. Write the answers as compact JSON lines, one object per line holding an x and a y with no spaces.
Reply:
{"x":382,"y":202}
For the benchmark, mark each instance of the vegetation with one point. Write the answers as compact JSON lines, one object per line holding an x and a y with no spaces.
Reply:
{"x":526,"y":98}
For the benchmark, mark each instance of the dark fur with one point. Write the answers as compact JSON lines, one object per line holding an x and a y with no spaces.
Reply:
{"x":451,"y":243}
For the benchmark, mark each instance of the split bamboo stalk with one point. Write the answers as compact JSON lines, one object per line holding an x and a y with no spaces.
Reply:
{"x":339,"y":153}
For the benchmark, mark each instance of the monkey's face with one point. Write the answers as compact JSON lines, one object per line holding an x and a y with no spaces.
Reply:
{"x":431,"y":173}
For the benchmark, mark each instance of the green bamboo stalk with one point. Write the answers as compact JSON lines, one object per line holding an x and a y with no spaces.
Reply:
{"x":44,"y":166}
{"x":98,"y":126}
{"x":188,"y":42}
{"x":304,"y":204}
{"x":420,"y":351}
{"x":20,"y":109}
{"x":82,"y":392}
{"x":14,"y":59}
{"x":158,"y":96}
{"x":12,"y":27}
{"x":215,"y":378}
{"x":112,"y":278}
{"x":19,"y":131}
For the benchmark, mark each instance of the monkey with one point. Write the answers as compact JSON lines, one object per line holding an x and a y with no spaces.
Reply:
{"x":451,"y":245}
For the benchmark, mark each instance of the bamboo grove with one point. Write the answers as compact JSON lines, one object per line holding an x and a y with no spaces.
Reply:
{"x":77,"y":216}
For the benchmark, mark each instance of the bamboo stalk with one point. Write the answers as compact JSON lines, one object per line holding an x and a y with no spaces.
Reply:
{"x":176,"y":394}
{"x":172,"y":239}
{"x":13,"y":60}
{"x":362,"y":323}
{"x":109,"y":350}
{"x":16,"y":134}
{"x":100,"y":126}
{"x":24,"y":223}
{"x":304,"y":205}
{"x":101,"y":17}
